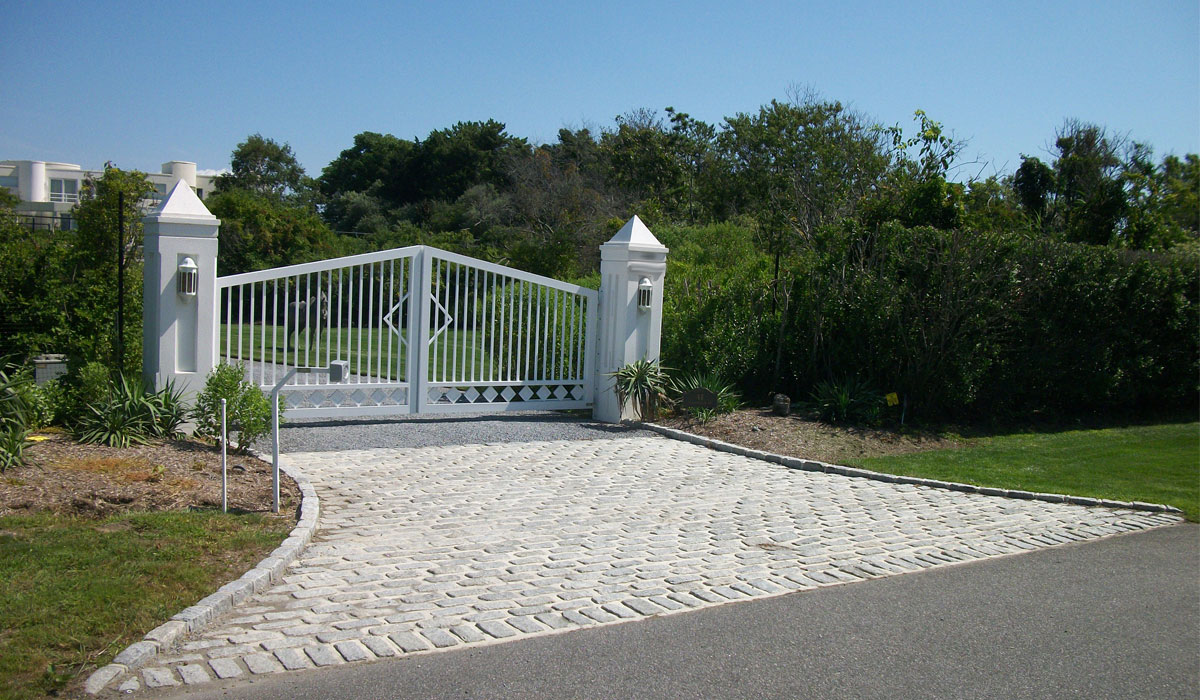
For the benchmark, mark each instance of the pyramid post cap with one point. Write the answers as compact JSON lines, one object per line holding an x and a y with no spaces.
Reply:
{"x":634,"y":235}
{"x":182,"y":204}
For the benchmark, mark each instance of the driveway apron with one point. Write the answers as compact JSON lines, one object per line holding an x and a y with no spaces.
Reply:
{"x":432,"y":548}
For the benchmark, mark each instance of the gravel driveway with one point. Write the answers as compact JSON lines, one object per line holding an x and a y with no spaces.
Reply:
{"x":323,"y":435}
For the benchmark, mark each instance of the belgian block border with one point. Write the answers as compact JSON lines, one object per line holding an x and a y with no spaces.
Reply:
{"x":267,"y":572}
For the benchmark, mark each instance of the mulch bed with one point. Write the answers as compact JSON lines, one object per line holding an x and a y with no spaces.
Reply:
{"x":797,"y":436}
{"x":65,"y":477}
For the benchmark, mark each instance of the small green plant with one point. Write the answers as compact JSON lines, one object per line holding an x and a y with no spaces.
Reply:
{"x":644,"y":384}
{"x":247,"y":409}
{"x":92,"y":384}
{"x":47,"y":403}
{"x":728,"y":400}
{"x":846,"y":401}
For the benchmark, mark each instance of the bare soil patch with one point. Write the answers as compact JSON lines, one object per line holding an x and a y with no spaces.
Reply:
{"x":797,"y":436}
{"x":65,"y":477}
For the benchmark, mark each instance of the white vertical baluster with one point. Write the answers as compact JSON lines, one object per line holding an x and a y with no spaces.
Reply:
{"x":526,"y":329}
{"x":370,"y":315}
{"x":444,"y":322}
{"x":341,"y":333}
{"x":473,"y":303}
{"x":504,"y":339}
{"x":240,"y":306}
{"x":391,"y":300}
{"x":251,"y":349}
{"x":539,"y":342}
{"x":555,"y":364}
{"x":490,"y":322}
{"x":287,"y":292}
{"x":456,"y":315}
{"x":228,"y":327}
{"x":358,"y":346}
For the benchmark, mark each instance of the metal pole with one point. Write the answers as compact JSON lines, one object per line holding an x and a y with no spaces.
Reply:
{"x":224,"y":472}
{"x":120,"y":281}
{"x":275,"y":438}
{"x":275,"y":442}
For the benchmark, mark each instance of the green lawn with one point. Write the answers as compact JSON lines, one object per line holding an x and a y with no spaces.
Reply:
{"x":1155,"y":464}
{"x":78,"y":591}
{"x":465,"y":349}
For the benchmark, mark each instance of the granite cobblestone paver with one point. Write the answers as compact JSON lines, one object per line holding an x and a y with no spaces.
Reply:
{"x":439,"y":548}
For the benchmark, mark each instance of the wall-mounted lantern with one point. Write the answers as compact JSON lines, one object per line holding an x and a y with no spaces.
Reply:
{"x":189,"y":277}
{"x":645,"y":294}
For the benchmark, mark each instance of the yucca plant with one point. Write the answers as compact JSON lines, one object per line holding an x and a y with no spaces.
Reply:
{"x":644,"y":384}
{"x":129,"y":414}
{"x":107,"y":424}
{"x":14,"y":415}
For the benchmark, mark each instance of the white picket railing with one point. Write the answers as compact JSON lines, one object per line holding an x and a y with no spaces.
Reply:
{"x":474,"y":336}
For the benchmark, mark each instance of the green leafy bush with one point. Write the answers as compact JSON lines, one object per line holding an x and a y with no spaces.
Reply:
{"x":87,"y":385}
{"x":15,"y":415}
{"x":644,"y":384}
{"x":247,"y":409}
{"x":47,"y":402}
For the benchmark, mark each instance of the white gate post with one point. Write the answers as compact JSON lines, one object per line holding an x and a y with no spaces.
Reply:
{"x":628,"y":331}
{"x":179,"y":292}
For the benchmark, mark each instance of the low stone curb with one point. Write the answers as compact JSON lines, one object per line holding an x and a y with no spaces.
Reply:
{"x":194,"y":618}
{"x":815,"y":466}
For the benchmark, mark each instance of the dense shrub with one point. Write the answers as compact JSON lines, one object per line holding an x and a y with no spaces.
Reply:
{"x":247,"y":409}
{"x":959,"y":324}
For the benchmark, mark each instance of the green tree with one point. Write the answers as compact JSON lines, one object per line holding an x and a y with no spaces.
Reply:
{"x":34,"y":298}
{"x":104,"y":253}
{"x":266,"y":168}
{"x":1090,"y":197}
{"x":259,"y":232}
{"x":800,"y":165}
{"x":1034,"y":185}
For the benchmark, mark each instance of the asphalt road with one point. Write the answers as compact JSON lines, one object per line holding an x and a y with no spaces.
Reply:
{"x":1113,"y":618}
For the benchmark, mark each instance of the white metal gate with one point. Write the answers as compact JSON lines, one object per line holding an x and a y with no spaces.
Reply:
{"x":424,"y":330}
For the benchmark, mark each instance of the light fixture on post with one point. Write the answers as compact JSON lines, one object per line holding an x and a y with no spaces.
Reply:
{"x":645,"y":294}
{"x":189,"y":277}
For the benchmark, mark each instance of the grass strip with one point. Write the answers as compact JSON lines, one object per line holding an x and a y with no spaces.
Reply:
{"x":77,"y":591}
{"x":1154,"y":464}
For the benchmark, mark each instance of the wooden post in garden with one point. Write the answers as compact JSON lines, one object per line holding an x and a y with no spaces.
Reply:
{"x":179,"y":311}
{"x":632,"y":267}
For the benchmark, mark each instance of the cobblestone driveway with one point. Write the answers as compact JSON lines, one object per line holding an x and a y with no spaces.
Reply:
{"x":427,"y":548}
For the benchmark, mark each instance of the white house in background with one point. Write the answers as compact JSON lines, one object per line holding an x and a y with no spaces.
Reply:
{"x":48,"y":191}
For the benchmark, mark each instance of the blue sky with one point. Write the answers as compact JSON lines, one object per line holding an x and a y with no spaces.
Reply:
{"x":143,"y":83}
